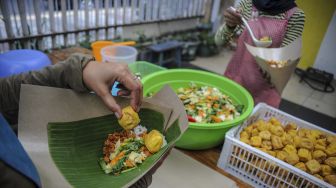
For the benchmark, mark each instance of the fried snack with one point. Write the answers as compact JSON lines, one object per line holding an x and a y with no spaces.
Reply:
{"x":319,"y":147}
{"x":244,"y":134}
{"x":287,"y":139}
{"x":276,"y":142}
{"x":313,"y":166}
{"x":304,"y":155}
{"x":290,"y":126}
{"x":290,"y":149}
{"x":256,"y":141}
{"x":254,"y":132}
{"x":331,"y":139}
{"x":306,"y":143}
{"x":266,"y":135}
{"x":331,"y":179}
{"x":154,"y":141}
{"x":331,"y":161}
{"x":314,"y":134}
{"x":302,"y":132}
{"x":245,"y":140}
{"x":331,"y":150}
{"x":275,"y":121}
{"x":326,"y":170}
{"x":281,"y":155}
{"x":273,"y":153}
{"x":301,"y":166}
{"x":297,"y":141}
{"x":322,"y":142}
{"x":129,"y":118}
{"x":277,"y":130}
{"x":262,"y":125}
{"x":292,"y":158}
{"x":266,"y":144}
{"x":319,"y":155}
{"x":263,"y":149}
{"x":248,"y":129}
{"x":292,"y":133}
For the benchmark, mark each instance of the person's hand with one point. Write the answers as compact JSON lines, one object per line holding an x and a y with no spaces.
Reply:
{"x":232,"y":18}
{"x":100,"y":77}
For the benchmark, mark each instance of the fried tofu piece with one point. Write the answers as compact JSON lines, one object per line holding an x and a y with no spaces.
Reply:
{"x":281,"y":155}
{"x":245,"y":140}
{"x":321,"y":141}
{"x":331,"y":150}
{"x":304,"y":155}
{"x":319,"y":155}
{"x":330,"y":179}
{"x":318,"y":176}
{"x":273,"y":153}
{"x":297,"y":141}
{"x":320,"y":147}
{"x":263,"y":149}
{"x":276,"y":142}
{"x":331,"y":161}
{"x":313,"y":166}
{"x":254,"y":132}
{"x":287,"y":139}
{"x":292,"y":133}
{"x":301,"y":166}
{"x":129,"y":118}
{"x":331,"y":139}
{"x":256,"y":141}
{"x":292,"y":158}
{"x":302,"y":132}
{"x":265,"y":135}
{"x":326,"y":170}
{"x":277,"y":130}
{"x":262,"y":126}
{"x":290,"y":149}
{"x":275,"y":121}
{"x":306,"y":143}
{"x":244,"y":134}
{"x":266,"y":144}
{"x":248,"y":129}
{"x":290,"y":126}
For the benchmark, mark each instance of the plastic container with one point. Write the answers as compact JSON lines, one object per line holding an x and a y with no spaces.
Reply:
{"x":119,"y":54}
{"x":97,"y":46}
{"x":201,"y":135}
{"x":19,"y":61}
{"x":261,"y":169}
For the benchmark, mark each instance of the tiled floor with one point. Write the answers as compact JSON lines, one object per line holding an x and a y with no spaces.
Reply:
{"x":296,"y":92}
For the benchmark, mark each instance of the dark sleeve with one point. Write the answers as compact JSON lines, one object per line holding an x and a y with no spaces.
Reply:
{"x":66,"y":74}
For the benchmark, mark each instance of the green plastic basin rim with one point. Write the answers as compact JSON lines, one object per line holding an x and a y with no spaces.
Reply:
{"x":247,"y":111}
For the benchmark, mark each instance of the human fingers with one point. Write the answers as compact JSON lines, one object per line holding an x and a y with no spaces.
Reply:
{"x":109,"y":101}
{"x":232,"y":18}
{"x":131,"y":83}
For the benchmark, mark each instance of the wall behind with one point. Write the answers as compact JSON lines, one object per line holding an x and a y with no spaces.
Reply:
{"x":318,"y":16}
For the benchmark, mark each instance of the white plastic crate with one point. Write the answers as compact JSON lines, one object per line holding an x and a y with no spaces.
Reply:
{"x":261,"y":169}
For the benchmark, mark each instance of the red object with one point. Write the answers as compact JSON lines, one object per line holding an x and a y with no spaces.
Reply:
{"x":191,"y":119}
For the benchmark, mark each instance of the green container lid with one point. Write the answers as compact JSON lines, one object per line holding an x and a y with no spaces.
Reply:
{"x":201,"y":135}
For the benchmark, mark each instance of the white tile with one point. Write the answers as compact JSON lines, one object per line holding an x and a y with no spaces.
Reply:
{"x":319,"y":106}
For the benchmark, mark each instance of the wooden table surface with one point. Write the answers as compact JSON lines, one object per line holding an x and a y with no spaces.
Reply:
{"x":207,"y":157}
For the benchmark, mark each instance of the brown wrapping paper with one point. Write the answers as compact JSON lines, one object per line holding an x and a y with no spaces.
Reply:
{"x":40,"y":105}
{"x":279,"y":76}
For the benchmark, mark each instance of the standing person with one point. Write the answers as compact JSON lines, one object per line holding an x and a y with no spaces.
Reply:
{"x":281,"y":20}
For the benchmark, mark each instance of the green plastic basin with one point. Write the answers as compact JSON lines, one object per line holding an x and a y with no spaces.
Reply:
{"x":201,"y":135}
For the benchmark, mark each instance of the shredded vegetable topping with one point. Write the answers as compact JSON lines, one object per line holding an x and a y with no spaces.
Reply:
{"x":206,"y":104}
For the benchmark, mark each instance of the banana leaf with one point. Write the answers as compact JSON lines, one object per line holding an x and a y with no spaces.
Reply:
{"x":76,"y":147}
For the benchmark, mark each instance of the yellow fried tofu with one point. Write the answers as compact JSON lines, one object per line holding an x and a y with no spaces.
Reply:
{"x":313,"y":166}
{"x":277,"y":130}
{"x":292,"y":158}
{"x":245,"y":140}
{"x":256,"y":141}
{"x":281,"y":155}
{"x":273,"y":153}
{"x":290,"y":148}
{"x":318,"y":176}
{"x":331,"y":161}
{"x":331,"y":150}
{"x":287,"y":139}
{"x":262,"y":126}
{"x":244,"y":134}
{"x":265,"y":135}
{"x":154,"y":141}
{"x":297,"y":141}
{"x":129,"y":118}
{"x":263,"y":149}
{"x":315,"y":133}
{"x":321,"y":141}
{"x":304,"y":155}
{"x":290,"y":126}
{"x":301,"y":166}
{"x":266,"y":144}
{"x":331,"y":139}
{"x":276,"y":142}
{"x":330,"y":179}
{"x":248,"y":129}
{"x":326,"y":170}
{"x":306,"y":143}
{"x":320,"y":147}
{"x":254,"y":132}
{"x":319,"y":155}
{"x":302,"y":132}
{"x":275,"y":121}
{"x":292,"y":133}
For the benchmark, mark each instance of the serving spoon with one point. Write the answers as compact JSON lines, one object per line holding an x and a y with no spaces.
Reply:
{"x":257,"y":42}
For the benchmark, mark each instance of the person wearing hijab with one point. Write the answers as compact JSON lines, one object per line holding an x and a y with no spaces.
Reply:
{"x":281,"y":20}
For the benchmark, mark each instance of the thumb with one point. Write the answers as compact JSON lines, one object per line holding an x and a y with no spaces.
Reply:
{"x":111,"y":104}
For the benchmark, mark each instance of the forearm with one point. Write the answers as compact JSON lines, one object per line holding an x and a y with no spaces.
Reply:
{"x":66,"y":74}
{"x":294,"y":28}
{"x":224,"y":35}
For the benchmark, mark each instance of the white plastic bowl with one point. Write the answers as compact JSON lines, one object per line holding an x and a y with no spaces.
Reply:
{"x":119,"y":54}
